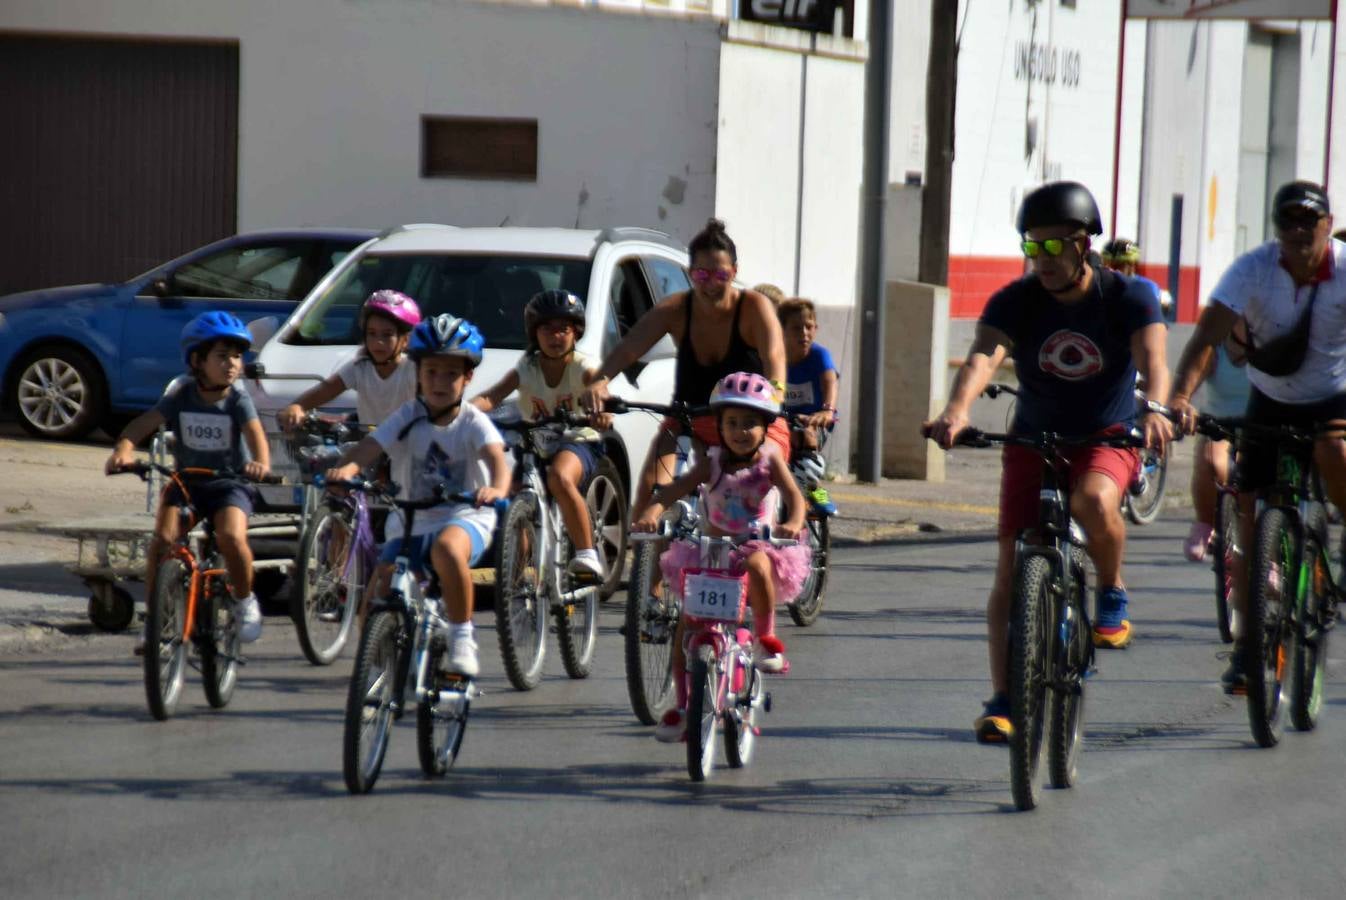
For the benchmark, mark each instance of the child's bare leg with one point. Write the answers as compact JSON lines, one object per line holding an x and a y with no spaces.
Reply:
{"x":379,"y":582}
{"x":166,"y":530}
{"x":231,"y":537}
{"x":563,"y":479}
{"x":761,"y":593}
{"x":449,"y":555}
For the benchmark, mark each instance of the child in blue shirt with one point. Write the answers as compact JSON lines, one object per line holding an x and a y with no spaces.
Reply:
{"x":810,"y":389}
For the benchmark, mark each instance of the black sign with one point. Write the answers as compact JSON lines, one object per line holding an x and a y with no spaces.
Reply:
{"x":810,"y":15}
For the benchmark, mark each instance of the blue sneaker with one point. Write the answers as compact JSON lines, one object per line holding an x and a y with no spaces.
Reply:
{"x":1112,"y":630}
{"x":993,"y":726}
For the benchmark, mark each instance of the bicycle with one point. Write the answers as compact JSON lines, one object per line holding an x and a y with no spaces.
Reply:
{"x":651,"y":614}
{"x":1292,"y":597}
{"x":1225,"y":550}
{"x":338,"y":549}
{"x":808,"y":605}
{"x":724,"y":687}
{"x":400,"y":654}
{"x":1051,"y":650}
{"x":192,"y":607}
{"x":531,"y":574}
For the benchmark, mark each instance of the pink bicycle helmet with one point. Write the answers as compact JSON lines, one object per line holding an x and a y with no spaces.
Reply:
{"x":396,"y":305}
{"x":746,"y":389}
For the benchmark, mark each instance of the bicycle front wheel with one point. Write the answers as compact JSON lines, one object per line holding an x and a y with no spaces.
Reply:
{"x":331,"y":580}
{"x":220,"y":644}
{"x":608,"y":513}
{"x":740,"y":722}
{"x":1030,"y":649}
{"x":703,"y":714}
{"x":165,"y":650}
{"x":369,"y":703}
{"x":1066,"y":700}
{"x":809,"y":604}
{"x":648,"y":633}
{"x":1225,"y":550}
{"x":520,"y":614}
{"x":1268,"y":636}
{"x":1309,"y":663}
{"x":1143,"y":508}
{"x":441,"y":721}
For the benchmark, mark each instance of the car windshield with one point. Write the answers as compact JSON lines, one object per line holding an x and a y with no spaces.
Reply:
{"x":488,"y":290}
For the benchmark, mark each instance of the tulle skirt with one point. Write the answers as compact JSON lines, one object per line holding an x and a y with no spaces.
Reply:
{"x":789,"y":564}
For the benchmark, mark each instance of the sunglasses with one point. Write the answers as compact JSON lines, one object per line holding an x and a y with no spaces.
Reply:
{"x":1051,"y":246}
{"x":1291,"y":221}
{"x":701,"y":276}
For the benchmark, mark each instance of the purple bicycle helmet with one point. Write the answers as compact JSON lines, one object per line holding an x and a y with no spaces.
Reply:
{"x":396,"y":305}
{"x":746,"y":389}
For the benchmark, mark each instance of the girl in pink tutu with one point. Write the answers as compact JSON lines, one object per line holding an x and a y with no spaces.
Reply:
{"x":736,"y":481}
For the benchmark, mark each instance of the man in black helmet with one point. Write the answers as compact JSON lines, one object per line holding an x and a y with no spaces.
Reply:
{"x":1077,"y":334}
{"x":1292,"y":294}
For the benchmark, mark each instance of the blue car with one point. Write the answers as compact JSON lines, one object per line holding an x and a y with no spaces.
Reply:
{"x":74,"y":358}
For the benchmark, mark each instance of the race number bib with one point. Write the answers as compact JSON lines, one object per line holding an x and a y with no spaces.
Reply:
{"x":709,"y":595}
{"x":204,"y":431}
{"x":799,"y":394}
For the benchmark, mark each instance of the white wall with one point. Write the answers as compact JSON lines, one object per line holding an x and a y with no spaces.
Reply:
{"x":1314,"y":61}
{"x":1071,"y":99}
{"x":1217,"y":223}
{"x":331,"y":94}
{"x":1130,"y":181}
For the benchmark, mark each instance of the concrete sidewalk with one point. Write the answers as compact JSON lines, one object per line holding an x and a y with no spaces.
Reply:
{"x":963,"y":506}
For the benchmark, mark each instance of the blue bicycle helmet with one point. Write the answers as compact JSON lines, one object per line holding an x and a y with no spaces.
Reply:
{"x":208,"y":327}
{"x":446,"y":335}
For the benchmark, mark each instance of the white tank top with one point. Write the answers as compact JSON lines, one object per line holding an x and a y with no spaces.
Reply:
{"x":538,"y":399}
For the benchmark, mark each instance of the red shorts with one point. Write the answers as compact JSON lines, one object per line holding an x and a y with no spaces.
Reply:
{"x":1021,"y":478}
{"x":704,"y":430}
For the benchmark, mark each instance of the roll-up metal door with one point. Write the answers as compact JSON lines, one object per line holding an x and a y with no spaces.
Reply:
{"x":117,"y":155}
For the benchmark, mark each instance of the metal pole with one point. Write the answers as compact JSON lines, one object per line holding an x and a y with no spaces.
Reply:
{"x":1331,"y":97}
{"x":1117,"y":123}
{"x":869,"y":406}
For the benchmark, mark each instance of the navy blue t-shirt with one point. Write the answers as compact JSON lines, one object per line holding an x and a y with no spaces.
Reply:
{"x":1073,"y":361}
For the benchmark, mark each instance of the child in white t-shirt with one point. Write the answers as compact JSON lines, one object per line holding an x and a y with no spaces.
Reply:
{"x":552,"y":376}
{"x":380,"y":373}
{"x":433,"y":440}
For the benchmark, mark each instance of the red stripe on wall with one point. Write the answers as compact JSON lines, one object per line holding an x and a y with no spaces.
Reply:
{"x":973,"y":279}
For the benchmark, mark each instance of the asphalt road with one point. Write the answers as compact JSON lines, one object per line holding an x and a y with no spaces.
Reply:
{"x":866,"y":784}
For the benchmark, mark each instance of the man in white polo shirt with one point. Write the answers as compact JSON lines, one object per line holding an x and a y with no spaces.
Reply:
{"x":1274,"y":287}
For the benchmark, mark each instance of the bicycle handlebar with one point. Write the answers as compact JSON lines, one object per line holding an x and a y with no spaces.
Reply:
{"x":1045,"y":441}
{"x":438,"y":496}
{"x":665,"y":532}
{"x":143,"y":469}
{"x":684,"y":412}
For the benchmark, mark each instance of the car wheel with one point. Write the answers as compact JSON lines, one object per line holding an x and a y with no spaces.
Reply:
{"x":58,"y":392}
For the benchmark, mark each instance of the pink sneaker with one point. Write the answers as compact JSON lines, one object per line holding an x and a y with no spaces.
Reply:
{"x":1198,"y":542}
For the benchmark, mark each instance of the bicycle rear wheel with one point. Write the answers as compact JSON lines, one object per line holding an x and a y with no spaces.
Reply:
{"x":809,"y":604}
{"x":219,"y":642}
{"x":703,"y":716}
{"x":1309,"y":662}
{"x":1030,"y":649}
{"x":1143,"y":508}
{"x":1066,"y":700}
{"x":520,"y":616}
{"x":165,"y":650}
{"x":650,"y":624}
{"x":1225,"y":549}
{"x":441,"y":721}
{"x":331,"y":581}
{"x":576,"y":625}
{"x":369,"y":703}
{"x":1268,"y":637}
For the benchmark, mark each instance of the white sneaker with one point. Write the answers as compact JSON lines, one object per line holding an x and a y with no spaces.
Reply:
{"x":463,"y":657}
{"x":672,"y":727}
{"x":248,"y":614}
{"x":587,"y":565}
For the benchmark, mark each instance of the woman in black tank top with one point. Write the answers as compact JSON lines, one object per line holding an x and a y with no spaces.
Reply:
{"x":698,"y":321}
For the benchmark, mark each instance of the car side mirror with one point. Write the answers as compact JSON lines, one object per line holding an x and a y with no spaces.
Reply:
{"x":262,"y":329}
{"x":162,"y":286}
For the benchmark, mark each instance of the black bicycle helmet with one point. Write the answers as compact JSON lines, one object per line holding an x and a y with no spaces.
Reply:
{"x":1060,"y":203}
{"x":554,"y":304}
